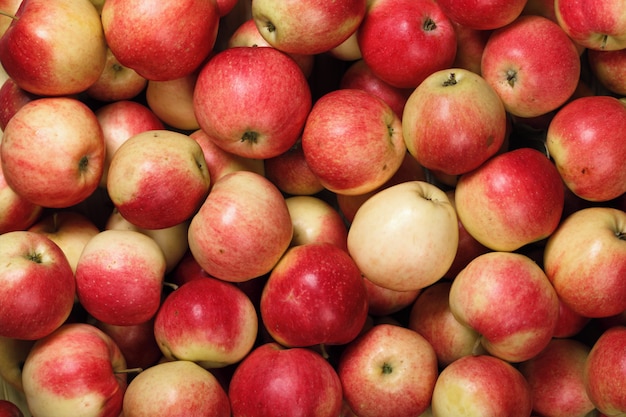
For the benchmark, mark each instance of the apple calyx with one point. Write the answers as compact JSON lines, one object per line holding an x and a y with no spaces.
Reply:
{"x":83,"y":164}
{"x":387,"y":369}
{"x":250,"y":136}
{"x":451,"y":80}
{"x":34,"y":257}
{"x":511,"y":77}
{"x":429,"y":25}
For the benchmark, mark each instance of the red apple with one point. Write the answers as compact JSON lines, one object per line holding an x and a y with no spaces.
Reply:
{"x":16,"y":212}
{"x":314,"y":295}
{"x":316,"y":220}
{"x":242,"y":229}
{"x":207,"y":321}
{"x":12,"y":98}
{"x":593,"y":25}
{"x":116,"y":82}
{"x":77,"y":367}
{"x":172,"y":101}
{"x":388,"y":371}
{"x":608,"y":69}
{"x":297,"y":381}
{"x":38,"y":285}
{"x":482,"y":14}
{"x":585,"y":141}
{"x":383,"y":302}
{"x":470,"y":46}
{"x":252,"y":101}
{"x":290,"y":172}
{"x":570,"y":322}
{"x":10,"y":409}
{"x":404,"y":41}
{"x":522,"y":60}
{"x":9,"y":7}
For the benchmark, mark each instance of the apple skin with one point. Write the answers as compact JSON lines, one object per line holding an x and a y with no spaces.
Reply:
{"x":298,"y":381}
{"x":290,"y":172}
{"x":604,"y":372}
{"x":70,"y":154}
{"x":482,"y":15}
{"x":119,"y":277}
{"x":347,"y":50}
{"x":38,"y":285}
{"x":570,"y":323}
{"x":407,"y":221}
{"x":68,"y":41}
{"x":309,"y":28}
{"x":172,"y":101}
{"x":12,"y":98}
{"x":207,"y":321}
{"x":16,"y":212}
{"x":252,"y":101}
{"x":141,"y":35}
{"x":556,"y":379}
{"x":593,"y":25}
{"x":314,"y":295}
{"x":513,"y":199}
{"x":148,"y":170}
{"x":383,"y":302}
{"x":585,"y":143}
{"x":521,"y":61}
{"x":584,"y":259}
{"x":13,"y":353}
{"x":352,"y":141}
{"x":479,"y":386}
{"x":10,"y":409}
{"x":378,"y":369}
{"x":608,"y":68}
{"x":507,"y":298}
{"x":315,"y":220}
{"x":55,"y":378}
{"x":242,"y":229}
{"x":398,"y":50}
{"x":477,"y":132}
{"x":470,"y":46}
{"x":176,"y":389}
{"x":116,"y":82}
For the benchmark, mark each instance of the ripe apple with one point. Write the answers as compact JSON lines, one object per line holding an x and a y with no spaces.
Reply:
{"x":290,"y":172}
{"x":593,"y":25}
{"x":176,"y":389}
{"x":584,"y":139}
{"x":347,"y":50}
{"x":12,"y":98}
{"x":77,"y":367}
{"x":148,"y":170}
{"x":297,"y":381}
{"x":481,"y":385}
{"x":507,"y":298}
{"x":119,"y":277}
{"x":316,"y":220}
{"x":402,"y":223}
{"x":608,"y":68}
{"x":242,"y":229}
{"x":13,"y":353}
{"x":207,"y":321}
{"x":38,"y":285}
{"x":162,"y":41}
{"x":352,"y":141}
{"x":314,"y":295}
{"x":380,"y":368}
{"x":116,"y":82}
{"x":482,"y":14}
{"x":570,"y":322}
{"x":383,"y":302}
{"x":470,"y":46}
{"x":252,"y":101}
{"x":454,"y":147}
{"x":67,"y":39}
{"x":556,"y":379}
{"x":522,"y":60}
{"x":186,"y":270}
{"x":172,"y":101}
{"x":16,"y":212}
{"x":513,"y":199}
{"x":302,"y":27}
{"x":10,"y":409}
{"x":585,"y":259}
{"x":68,"y":163}
{"x":404,"y":41}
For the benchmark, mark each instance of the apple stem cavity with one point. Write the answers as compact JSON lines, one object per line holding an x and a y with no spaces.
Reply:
{"x":250,"y":137}
{"x":429,"y":25}
{"x":35,"y":257}
{"x":451,"y":80}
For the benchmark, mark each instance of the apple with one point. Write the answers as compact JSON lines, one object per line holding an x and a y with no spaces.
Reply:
{"x":470,"y":46}
{"x":481,"y":385}
{"x":148,"y":170}
{"x":543,"y":8}
{"x":507,"y":299}
{"x":16,"y":212}
{"x":10,"y":409}
{"x":290,"y":172}
{"x":389,"y":370}
{"x":316,"y":220}
{"x":352,"y":141}
{"x":13,"y":353}
{"x":604,"y":372}
{"x":570,"y":323}
{"x":398,"y":225}
{"x":68,"y":163}
{"x":348,"y":50}
{"x":482,"y":14}
{"x":404,"y":41}
{"x":67,"y":39}
{"x":120,"y":120}
{"x":116,"y":82}
{"x":119,"y":277}
{"x":186,"y":270}
{"x":585,"y":143}
{"x":477,"y":133}
{"x":12,"y":98}
{"x":252,"y":101}
{"x":163,"y":41}
{"x":522,"y":60}
{"x":608,"y":68}
{"x":513,"y":199}
{"x":584,"y":259}
{"x":77,"y":367}
{"x":38,"y":285}
{"x":207,"y":321}
{"x":179,"y":388}
{"x":383,"y":302}
{"x":592,"y":25}
{"x":311,"y":28}
{"x":556,"y":379}
{"x":242,"y":229}
{"x":172,"y":101}
{"x":314,"y":295}
{"x":297,"y":381}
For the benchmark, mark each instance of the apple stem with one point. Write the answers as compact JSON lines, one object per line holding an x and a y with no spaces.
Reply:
{"x":171,"y":285}
{"x":12,"y":16}
{"x":324,"y":352}
{"x":129,"y":371}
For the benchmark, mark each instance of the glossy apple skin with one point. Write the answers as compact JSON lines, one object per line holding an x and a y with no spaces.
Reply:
{"x":482,"y":15}
{"x":585,"y":143}
{"x":38,"y":285}
{"x":383,"y":302}
{"x":12,"y":98}
{"x":315,"y":294}
{"x":16,"y":212}
{"x":608,"y":68}
{"x":298,"y":381}
{"x":116,"y":83}
{"x":379,"y":368}
{"x":290,"y":172}
{"x":470,"y":46}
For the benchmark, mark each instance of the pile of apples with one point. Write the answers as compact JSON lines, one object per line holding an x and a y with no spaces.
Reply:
{"x":313,"y":208}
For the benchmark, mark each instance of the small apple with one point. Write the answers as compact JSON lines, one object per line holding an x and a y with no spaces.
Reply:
{"x":116,"y":82}
{"x":12,"y":98}
{"x":290,"y":172}
{"x":593,"y":25}
{"x":608,"y":68}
